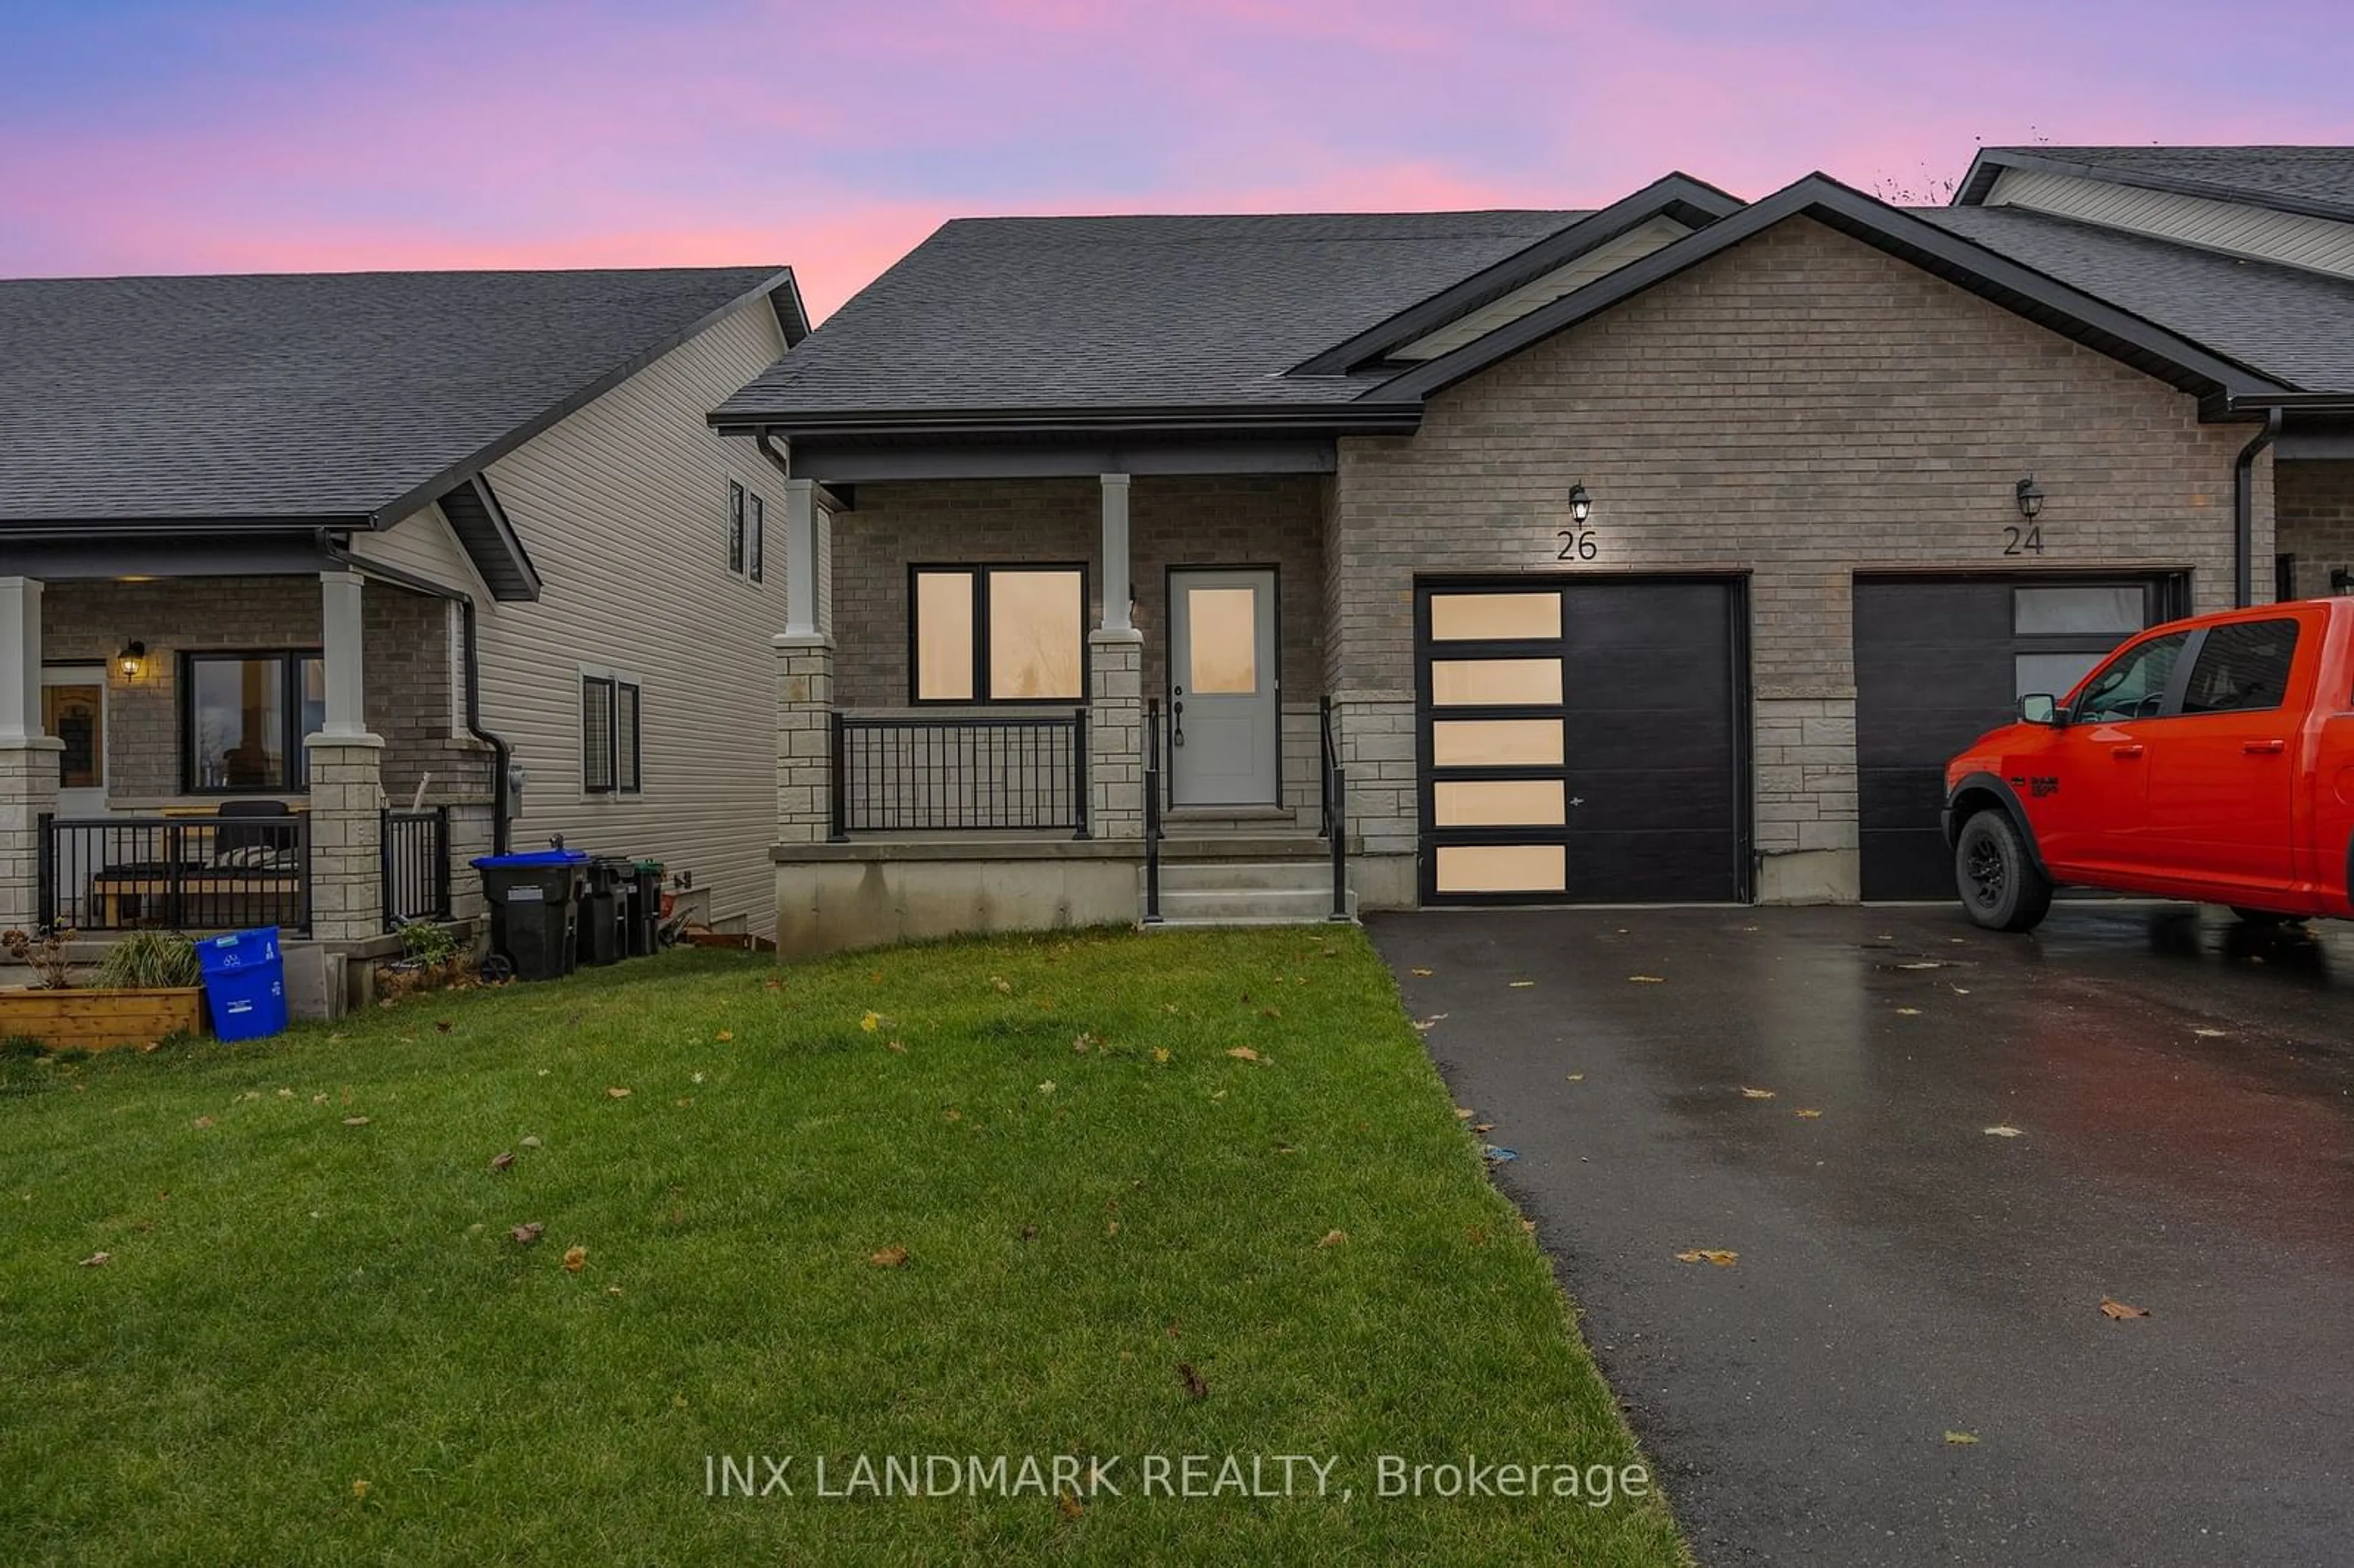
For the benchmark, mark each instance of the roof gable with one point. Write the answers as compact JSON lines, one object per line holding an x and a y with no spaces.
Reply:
{"x":2316,"y":181}
{"x":2073,"y":312}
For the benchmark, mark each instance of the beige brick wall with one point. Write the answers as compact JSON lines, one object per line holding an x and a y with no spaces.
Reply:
{"x":408,"y":649}
{"x":2316,"y":521}
{"x":1798,"y":408}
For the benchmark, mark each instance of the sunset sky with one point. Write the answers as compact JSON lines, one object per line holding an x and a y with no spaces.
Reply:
{"x":265,"y":135}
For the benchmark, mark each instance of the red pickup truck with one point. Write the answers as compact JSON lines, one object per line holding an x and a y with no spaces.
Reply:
{"x":2210,"y":760}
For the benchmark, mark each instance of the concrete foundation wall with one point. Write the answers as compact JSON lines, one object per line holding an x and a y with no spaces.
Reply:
{"x":827,"y":905}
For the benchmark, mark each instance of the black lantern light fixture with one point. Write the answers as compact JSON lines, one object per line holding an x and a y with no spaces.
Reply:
{"x":131,"y":660}
{"x":2030,"y":495}
{"x":1581,"y":504}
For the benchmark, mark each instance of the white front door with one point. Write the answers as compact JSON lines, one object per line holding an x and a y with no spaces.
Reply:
{"x":73,"y":709}
{"x":1225,"y":728}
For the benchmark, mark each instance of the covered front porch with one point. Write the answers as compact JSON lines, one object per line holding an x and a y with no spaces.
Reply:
{"x":213,"y":750}
{"x":1031,"y":699}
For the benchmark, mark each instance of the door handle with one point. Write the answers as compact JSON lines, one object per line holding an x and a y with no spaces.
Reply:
{"x":2129,"y":752}
{"x":1176,"y":718}
{"x":2265,"y":748}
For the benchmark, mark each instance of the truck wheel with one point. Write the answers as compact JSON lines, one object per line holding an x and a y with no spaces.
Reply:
{"x":2266,"y":917}
{"x":2001,"y":888}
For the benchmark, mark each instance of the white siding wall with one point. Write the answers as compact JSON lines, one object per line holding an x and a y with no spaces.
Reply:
{"x":422,"y":545}
{"x":623,"y":509}
{"x":2312,"y":242}
{"x":1628,"y":248}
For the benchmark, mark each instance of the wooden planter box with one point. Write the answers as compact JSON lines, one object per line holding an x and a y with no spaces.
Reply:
{"x":97,"y":1019}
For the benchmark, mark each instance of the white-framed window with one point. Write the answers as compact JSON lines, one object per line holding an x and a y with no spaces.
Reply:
{"x":612,"y":753}
{"x":735,"y":529}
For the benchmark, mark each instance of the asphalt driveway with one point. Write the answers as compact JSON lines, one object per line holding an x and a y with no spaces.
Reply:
{"x":2183,"y":1094}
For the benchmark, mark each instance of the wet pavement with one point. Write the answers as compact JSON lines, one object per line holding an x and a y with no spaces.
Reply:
{"x":2184,"y":1092}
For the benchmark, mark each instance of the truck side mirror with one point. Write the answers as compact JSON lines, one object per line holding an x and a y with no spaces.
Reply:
{"x":2040,"y":708}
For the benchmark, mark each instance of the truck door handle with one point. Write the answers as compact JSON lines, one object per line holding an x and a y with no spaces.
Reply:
{"x":2265,"y":748}
{"x":2125,"y":751}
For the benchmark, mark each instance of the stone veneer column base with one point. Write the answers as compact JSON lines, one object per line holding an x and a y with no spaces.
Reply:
{"x":1116,"y":733}
{"x":346,"y":837}
{"x":804,"y":738}
{"x":28,"y":791}
{"x":1802,"y":763}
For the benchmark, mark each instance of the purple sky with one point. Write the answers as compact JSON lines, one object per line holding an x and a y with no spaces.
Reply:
{"x":216,"y":135}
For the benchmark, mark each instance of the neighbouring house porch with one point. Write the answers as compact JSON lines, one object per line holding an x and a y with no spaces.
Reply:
{"x":204,"y":751}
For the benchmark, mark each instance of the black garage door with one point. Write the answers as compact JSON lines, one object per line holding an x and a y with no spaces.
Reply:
{"x":1938,"y":663}
{"x":1581,"y":741}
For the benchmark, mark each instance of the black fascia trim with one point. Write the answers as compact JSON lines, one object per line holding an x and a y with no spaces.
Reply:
{"x":1692,"y":202}
{"x":841,"y":463}
{"x":1347,"y":418}
{"x":1988,"y":165}
{"x":417,"y":496}
{"x":2035,"y":295}
{"x":210,"y":526}
{"x":492,"y":544}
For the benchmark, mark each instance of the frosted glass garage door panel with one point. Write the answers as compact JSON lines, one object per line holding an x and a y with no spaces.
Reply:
{"x":1463,"y":617}
{"x":1494,"y":682}
{"x":1495,"y":743}
{"x":1498,"y":803}
{"x":1501,"y":868}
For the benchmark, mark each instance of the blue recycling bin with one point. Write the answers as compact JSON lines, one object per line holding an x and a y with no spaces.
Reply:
{"x":245,"y":982}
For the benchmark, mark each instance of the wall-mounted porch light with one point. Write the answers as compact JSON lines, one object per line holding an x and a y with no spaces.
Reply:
{"x":1581,"y":504}
{"x":2031,"y":497}
{"x":131,"y":660}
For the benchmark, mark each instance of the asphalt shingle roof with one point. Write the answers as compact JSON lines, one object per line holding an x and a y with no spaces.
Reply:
{"x":1122,"y":312}
{"x":2324,"y":175}
{"x":303,"y":395}
{"x":2289,"y":325}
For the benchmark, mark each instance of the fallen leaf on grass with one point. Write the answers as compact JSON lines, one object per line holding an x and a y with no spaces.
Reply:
{"x":1029,"y":1233}
{"x":576,"y":1258}
{"x":1111,"y":1227}
{"x":1069,"y":1505}
{"x":444,"y":1025}
{"x":360,"y":1490}
{"x":2002,"y":1132}
{"x":2117,"y":1311}
{"x":725,"y":1035}
{"x":1332,"y":1238}
{"x":98,"y":1260}
{"x":1219,"y":1095}
{"x":524,"y":1235}
{"x":1717,"y":1255}
{"x":895,"y":1047}
{"x":202,"y":1122}
{"x":531,"y":1142}
{"x":1161,"y":1054}
{"x":1464,"y":1112}
{"x":1646,"y":980}
{"x":1048,"y":1087}
{"x":501,"y":1159}
{"x":889,"y":1257}
{"x":952,"y":1114}
{"x":871,"y":1021}
{"x":356,"y":1121}
{"x":1750,"y":1094}
{"x":773,"y":984}
{"x":617,"y":1093}
{"x":1960,"y":1438}
{"x":1810,"y":1115}
{"x":1196,"y":1386}
{"x":1243,"y":1053}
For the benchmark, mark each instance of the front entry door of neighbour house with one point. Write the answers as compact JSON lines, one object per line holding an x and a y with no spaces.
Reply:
{"x":1225,"y":719}
{"x":73,"y":709}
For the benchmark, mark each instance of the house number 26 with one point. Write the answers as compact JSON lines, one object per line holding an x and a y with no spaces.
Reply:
{"x":1576,"y":544}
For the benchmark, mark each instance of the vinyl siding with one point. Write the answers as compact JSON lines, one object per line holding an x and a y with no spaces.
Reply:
{"x":1656,"y":234}
{"x":423,"y":546}
{"x":2311,"y":243}
{"x":623,"y":508}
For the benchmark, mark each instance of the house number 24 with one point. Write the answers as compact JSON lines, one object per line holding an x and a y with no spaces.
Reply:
{"x":1576,"y":544}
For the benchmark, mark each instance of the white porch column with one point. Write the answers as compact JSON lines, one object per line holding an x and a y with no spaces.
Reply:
{"x":803,"y":595}
{"x":346,"y":772}
{"x":1115,"y":553}
{"x":805,"y":674}
{"x":28,"y":758}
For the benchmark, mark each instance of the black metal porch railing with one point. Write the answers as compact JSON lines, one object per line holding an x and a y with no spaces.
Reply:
{"x":1336,"y":809}
{"x":196,"y":874}
{"x":415,"y":849}
{"x":1152,"y":810}
{"x":901,"y":774}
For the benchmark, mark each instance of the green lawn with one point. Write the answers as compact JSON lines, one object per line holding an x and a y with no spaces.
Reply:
{"x":316,"y":1340}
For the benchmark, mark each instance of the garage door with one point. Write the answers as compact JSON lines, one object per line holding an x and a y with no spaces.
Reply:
{"x":1581,"y":741}
{"x":1938,"y":663}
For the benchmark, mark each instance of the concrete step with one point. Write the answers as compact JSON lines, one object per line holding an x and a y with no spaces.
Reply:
{"x":1301,"y":875}
{"x":1226,"y":906}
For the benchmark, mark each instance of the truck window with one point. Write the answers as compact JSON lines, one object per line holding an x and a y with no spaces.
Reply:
{"x":2133,"y":684}
{"x":2242,"y":668}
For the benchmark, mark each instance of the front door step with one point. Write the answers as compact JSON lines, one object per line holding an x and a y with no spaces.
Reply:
{"x":1248,"y":892}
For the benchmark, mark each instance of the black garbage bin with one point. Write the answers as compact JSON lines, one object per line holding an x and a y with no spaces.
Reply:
{"x":645,"y":912}
{"x":602,"y":910}
{"x":535,"y":909}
